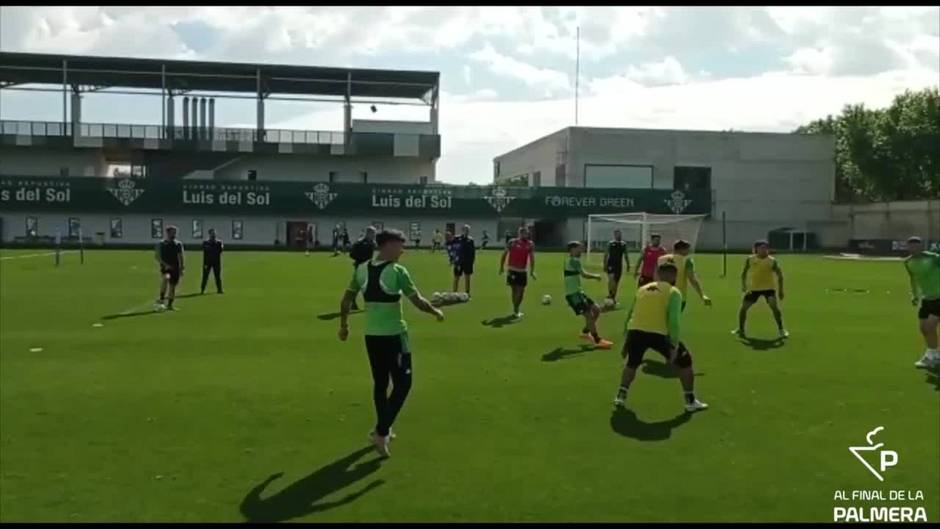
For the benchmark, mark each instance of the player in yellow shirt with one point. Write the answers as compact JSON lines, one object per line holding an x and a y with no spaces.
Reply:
{"x":757,"y":279}
{"x":653,"y":323}
{"x":685,"y":271}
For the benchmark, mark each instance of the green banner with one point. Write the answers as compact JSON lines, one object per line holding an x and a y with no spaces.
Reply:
{"x":114,"y":195}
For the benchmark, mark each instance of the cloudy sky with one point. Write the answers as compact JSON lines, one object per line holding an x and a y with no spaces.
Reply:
{"x":508,"y":74}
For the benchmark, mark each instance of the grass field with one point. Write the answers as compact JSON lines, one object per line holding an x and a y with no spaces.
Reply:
{"x":246,"y":406}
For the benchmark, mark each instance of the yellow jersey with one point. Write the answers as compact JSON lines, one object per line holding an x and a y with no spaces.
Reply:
{"x":760,"y":273}
{"x":685,"y":266}
{"x":656,"y":309}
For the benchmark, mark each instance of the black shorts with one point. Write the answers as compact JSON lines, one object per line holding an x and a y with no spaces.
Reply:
{"x":639,"y":341}
{"x":753,"y":295}
{"x":929,"y":307}
{"x":643,"y":280}
{"x":616,"y":271}
{"x":173,"y":272}
{"x":394,"y":348}
{"x":519,"y":279}
{"x":463,"y":269}
{"x":579,"y":302}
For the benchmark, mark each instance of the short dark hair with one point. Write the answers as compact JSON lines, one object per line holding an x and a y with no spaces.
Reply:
{"x":761,"y":242}
{"x":915,"y":239}
{"x":681,"y":245}
{"x":655,"y":235}
{"x":386,"y":236}
{"x":573,"y":244}
{"x":172,"y":227}
{"x":668,"y":266}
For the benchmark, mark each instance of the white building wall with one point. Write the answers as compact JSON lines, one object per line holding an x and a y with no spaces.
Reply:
{"x":36,"y":161}
{"x":540,"y":156}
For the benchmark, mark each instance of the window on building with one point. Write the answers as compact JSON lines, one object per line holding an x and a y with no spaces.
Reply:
{"x":333,"y":176}
{"x":238,"y":228}
{"x":560,"y":175}
{"x":63,"y":171}
{"x":32,"y":226}
{"x":365,"y":177}
{"x":495,"y":169}
{"x":537,"y":179}
{"x":252,"y":175}
{"x":197,"y":228}
{"x":692,"y":179}
{"x":138,"y":171}
{"x":117,"y":228}
{"x":423,"y":180}
{"x":75,"y":227}
{"x":156,"y":228}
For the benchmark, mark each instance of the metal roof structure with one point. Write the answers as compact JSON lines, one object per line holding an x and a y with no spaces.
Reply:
{"x":182,"y":76}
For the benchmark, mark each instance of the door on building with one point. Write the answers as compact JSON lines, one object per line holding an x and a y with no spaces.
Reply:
{"x":301,"y":234}
{"x":549,"y":233}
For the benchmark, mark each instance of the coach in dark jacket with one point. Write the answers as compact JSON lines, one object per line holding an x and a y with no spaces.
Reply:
{"x":466,"y":253}
{"x":212,"y":260}
{"x":362,"y":251}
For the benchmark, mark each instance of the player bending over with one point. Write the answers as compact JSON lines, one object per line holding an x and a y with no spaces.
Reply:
{"x":382,"y":282}
{"x":924,"y":271}
{"x":757,"y":279}
{"x":648,"y":261}
{"x":685,"y":271}
{"x":521,"y":252}
{"x":614,"y":257}
{"x":170,"y":256}
{"x":653,"y":323}
{"x":578,"y":300}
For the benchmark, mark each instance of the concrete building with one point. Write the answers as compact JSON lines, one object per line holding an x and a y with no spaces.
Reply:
{"x":760,"y":181}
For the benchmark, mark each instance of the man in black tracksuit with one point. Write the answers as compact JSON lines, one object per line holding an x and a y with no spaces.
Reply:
{"x":362,"y":251}
{"x":212,"y":260}
{"x":466,"y":256}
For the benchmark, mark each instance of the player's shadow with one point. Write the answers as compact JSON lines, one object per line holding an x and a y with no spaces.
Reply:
{"x":496,"y":323}
{"x":306,"y":496}
{"x":662,"y":370}
{"x":559,"y":353}
{"x":146,"y":312}
{"x":193,"y":295}
{"x":333,"y":315}
{"x":626,"y":423}
{"x":762,"y":344}
{"x":933,"y":377}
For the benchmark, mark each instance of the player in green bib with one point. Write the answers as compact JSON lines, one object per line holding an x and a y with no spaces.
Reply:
{"x":578,"y":300}
{"x":924,"y":271}
{"x":382,"y":282}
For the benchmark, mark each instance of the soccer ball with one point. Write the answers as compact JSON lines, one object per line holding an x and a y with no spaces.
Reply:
{"x":546,"y":300}
{"x":436,"y":297}
{"x":609,"y":303}
{"x":450,"y":297}
{"x":463,"y":297}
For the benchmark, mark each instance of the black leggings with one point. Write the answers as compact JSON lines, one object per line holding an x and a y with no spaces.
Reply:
{"x":217,"y":271}
{"x":389,"y":358}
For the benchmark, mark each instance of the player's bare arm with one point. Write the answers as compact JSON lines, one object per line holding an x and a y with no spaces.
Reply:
{"x":425,"y":306}
{"x":697,"y":286}
{"x":502,"y":260}
{"x":532,"y":262}
{"x":747,"y":265}
{"x":779,"y":272}
{"x":344,"y":306}
{"x":588,"y":275}
{"x":914,"y":295}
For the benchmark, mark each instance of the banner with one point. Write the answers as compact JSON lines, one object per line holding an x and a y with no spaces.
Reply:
{"x":116,"y":195}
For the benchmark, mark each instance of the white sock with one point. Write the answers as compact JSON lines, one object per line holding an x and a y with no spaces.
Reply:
{"x":932,"y":353}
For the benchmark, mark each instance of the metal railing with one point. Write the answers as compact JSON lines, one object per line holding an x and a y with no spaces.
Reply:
{"x":156,"y":132}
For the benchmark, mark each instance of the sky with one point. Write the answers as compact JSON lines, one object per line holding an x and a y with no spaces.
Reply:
{"x":508,"y":73}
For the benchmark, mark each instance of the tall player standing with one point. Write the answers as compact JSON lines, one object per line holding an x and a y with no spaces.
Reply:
{"x":924,"y":271}
{"x":614,"y":257}
{"x":649,"y":261}
{"x":521,"y":252}
{"x":757,"y":280}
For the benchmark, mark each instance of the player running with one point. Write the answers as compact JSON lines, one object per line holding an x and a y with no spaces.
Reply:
{"x":486,"y":239}
{"x":757,"y":279}
{"x":578,"y":300}
{"x":521,"y":252}
{"x":924,"y":271}
{"x":653,"y":323}
{"x":685,"y":271}
{"x":169,"y":253}
{"x":649,"y":260}
{"x":466,"y":255}
{"x":614,"y":257}
{"x":383,"y":281}
{"x":437,"y":240}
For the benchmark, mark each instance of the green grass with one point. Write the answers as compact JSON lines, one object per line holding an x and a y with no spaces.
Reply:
{"x":184,"y":416}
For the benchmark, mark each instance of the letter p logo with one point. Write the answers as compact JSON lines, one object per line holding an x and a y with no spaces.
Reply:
{"x":889,"y":458}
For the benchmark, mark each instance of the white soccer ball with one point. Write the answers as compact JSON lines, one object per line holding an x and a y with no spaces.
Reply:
{"x":609,"y":303}
{"x":463,"y":297}
{"x":546,"y":300}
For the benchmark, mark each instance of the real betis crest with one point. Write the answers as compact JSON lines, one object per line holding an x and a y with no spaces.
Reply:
{"x":677,"y":202}
{"x":498,"y":198}
{"x":321,"y":195}
{"x":126,"y":191}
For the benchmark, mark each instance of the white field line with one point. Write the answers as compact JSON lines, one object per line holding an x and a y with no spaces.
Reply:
{"x":35,"y":255}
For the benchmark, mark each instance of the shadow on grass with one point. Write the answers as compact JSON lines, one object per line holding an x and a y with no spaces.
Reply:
{"x":626,"y":423}
{"x":560,"y":354}
{"x":662,"y":370}
{"x":333,"y":315}
{"x":933,"y":377}
{"x":761,"y":344}
{"x":496,"y":323}
{"x":146,"y":312}
{"x":305,"y":496}
{"x":193,"y":295}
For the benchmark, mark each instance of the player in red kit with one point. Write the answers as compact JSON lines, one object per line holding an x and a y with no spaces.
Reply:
{"x":521,"y":252}
{"x":648,"y":261}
